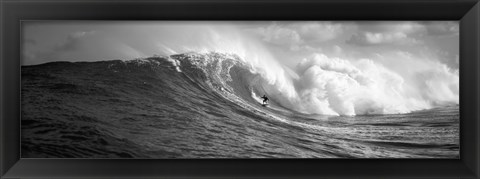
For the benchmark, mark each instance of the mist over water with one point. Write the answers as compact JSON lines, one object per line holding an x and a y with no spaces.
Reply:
{"x":319,"y":84}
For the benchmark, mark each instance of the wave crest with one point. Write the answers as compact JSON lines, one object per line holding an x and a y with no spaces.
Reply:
{"x":335,"y":86}
{"x":323,"y":85}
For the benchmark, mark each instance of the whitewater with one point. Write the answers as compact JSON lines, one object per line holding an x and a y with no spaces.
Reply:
{"x":315,"y":83}
{"x":200,"y":96}
{"x":206,"y":105}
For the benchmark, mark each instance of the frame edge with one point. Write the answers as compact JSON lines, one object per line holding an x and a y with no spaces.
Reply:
{"x":473,"y":166}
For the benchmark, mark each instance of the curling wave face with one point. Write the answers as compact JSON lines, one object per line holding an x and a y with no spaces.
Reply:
{"x":207,"y":105}
{"x":328,"y":86}
{"x":319,"y":84}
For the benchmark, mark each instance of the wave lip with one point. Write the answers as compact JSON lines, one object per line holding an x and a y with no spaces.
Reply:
{"x":334,"y":86}
{"x":207,"y":105}
{"x":323,"y":85}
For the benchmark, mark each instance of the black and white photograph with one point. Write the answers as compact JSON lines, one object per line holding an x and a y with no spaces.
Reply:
{"x":240,"y":89}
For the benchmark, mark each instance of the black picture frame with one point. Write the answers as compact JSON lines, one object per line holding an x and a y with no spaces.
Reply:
{"x":14,"y":11}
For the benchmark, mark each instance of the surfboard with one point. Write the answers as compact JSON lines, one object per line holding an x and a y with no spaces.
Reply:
{"x":264,"y":105}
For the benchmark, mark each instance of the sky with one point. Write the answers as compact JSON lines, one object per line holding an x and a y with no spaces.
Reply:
{"x":289,"y":42}
{"x":321,"y":67}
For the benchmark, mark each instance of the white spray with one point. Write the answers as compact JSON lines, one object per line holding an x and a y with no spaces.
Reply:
{"x":331,"y":86}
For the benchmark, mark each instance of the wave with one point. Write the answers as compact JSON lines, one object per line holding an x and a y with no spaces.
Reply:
{"x":205,"y":103}
{"x":319,"y":84}
{"x":337,"y":86}
{"x":329,"y":86}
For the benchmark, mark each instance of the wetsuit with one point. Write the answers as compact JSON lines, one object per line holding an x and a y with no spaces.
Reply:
{"x":265,"y":99}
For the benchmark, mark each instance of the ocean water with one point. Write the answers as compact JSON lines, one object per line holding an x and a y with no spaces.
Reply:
{"x":204,"y":106}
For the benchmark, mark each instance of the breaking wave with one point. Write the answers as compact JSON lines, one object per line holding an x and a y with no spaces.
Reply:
{"x":332,"y":86}
{"x":329,"y":86}
{"x":207,"y":105}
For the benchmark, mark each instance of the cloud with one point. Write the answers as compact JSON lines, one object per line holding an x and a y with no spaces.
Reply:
{"x":318,"y":31}
{"x":391,"y":26}
{"x":369,"y":38}
{"x":383,"y":33}
{"x":298,"y":34}
{"x":279,"y":35}
{"x":447,"y":28}
{"x":72,"y":41}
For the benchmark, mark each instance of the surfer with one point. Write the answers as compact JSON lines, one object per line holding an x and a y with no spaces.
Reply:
{"x":265,"y":99}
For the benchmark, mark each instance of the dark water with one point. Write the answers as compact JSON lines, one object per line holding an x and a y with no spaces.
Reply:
{"x":203,"y":106}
